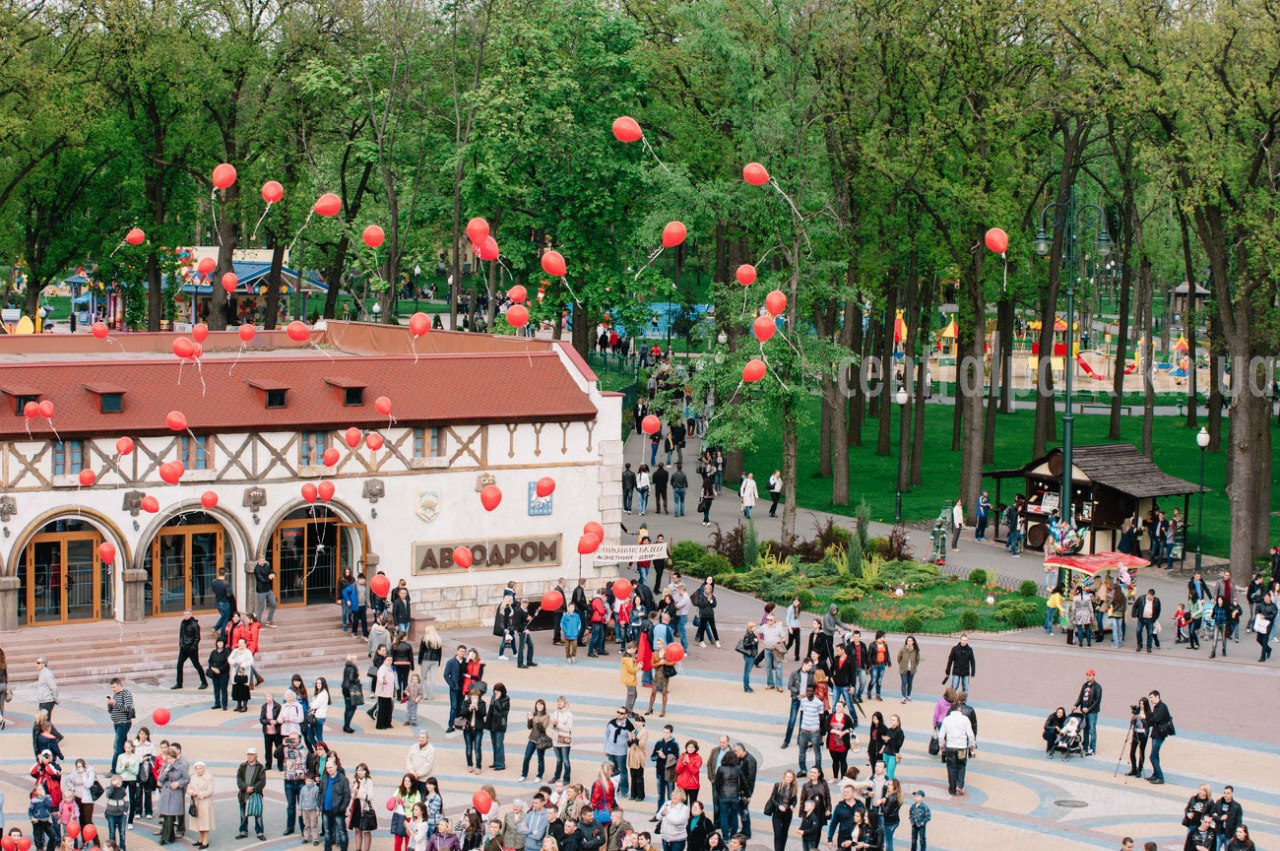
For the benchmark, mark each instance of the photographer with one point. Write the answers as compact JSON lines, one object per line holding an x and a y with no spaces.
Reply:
{"x":1160,"y":726}
{"x":1139,"y":731}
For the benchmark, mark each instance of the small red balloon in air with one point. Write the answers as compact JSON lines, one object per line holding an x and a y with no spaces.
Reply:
{"x":297,"y":331}
{"x":328,"y":205}
{"x":517,"y":316}
{"x":755,"y":174}
{"x":124,"y":445}
{"x":775,"y":302}
{"x":588,"y":544}
{"x":330,"y":457}
{"x":650,"y":424}
{"x":209,"y":499}
{"x":553,"y":264}
{"x":463,"y":557}
{"x":150,"y":504}
{"x":107,"y":552}
{"x":224,"y":175}
{"x":673,"y":234}
{"x":200,"y":332}
{"x":230,"y":282}
{"x":160,"y":716}
{"x":206,"y":265}
{"x":419,"y":324}
{"x":31,"y":410}
{"x":176,"y":421}
{"x":518,"y":294}
{"x":374,"y":441}
{"x":135,"y":236}
{"x":622,"y":588}
{"x":247,"y":333}
{"x":488,"y":249}
{"x":100,"y":330}
{"x":997,"y":240}
{"x":89,"y":832}
{"x":545,"y":487}
{"x":373,"y":236}
{"x":272,"y":192}
{"x":46,"y":409}
{"x":753,"y":371}
{"x":87,"y":478}
{"x":353,"y":436}
{"x":591,"y":527}
{"x":326,"y":490}
{"x":674,"y":652}
{"x":552,"y":601}
{"x":477,"y":230}
{"x":171,"y":471}
{"x":380,"y":585}
{"x":490,"y":497}
{"x":481,"y":801}
{"x":764,"y":328}
{"x":382,"y":405}
{"x":184,"y":348}
{"x":309,"y":492}
{"x":627,"y":129}
{"x":746,"y":274}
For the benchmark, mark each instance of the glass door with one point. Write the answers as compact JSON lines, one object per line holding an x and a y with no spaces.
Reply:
{"x":206,"y":554}
{"x":61,"y":578}
{"x":183,"y":564}
{"x":308,"y":555}
{"x":81,"y":593}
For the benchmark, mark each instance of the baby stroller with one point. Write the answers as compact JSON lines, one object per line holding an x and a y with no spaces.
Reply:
{"x":1070,"y":739}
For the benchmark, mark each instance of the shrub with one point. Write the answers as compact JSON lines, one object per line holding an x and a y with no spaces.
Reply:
{"x":911,"y":574}
{"x":876,"y":547}
{"x":750,"y":547}
{"x":713,"y":565}
{"x":912,"y":623}
{"x":899,"y":545}
{"x":686,"y":553}
{"x":863,"y":515}
{"x":948,"y":601}
{"x":1017,"y":613}
{"x":849,"y":614}
{"x":829,"y":534}
{"x":854,"y":557}
{"x":806,"y":598}
{"x":968,"y":620}
{"x":978,"y":576}
{"x":1027,"y":588}
{"x":929,"y":613}
{"x":848,"y":595}
{"x":729,"y":544}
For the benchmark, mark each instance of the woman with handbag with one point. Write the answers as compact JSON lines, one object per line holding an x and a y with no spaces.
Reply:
{"x":401,"y":806}
{"x":539,"y":740}
{"x":748,"y":646}
{"x":385,"y":690}
{"x":637,"y":754}
{"x":781,"y":807}
{"x":562,"y":733}
{"x":241,"y":662}
{"x":474,"y":717}
{"x":364,"y":818}
{"x":218,"y":668}
{"x":200,"y":813}
{"x":87,"y":790}
{"x":603,"y":795}
{"x":840,"y":738}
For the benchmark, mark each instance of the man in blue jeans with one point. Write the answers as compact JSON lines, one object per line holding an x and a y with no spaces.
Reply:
{"x":120,"y":708}
{"x":665,"y":755}
{"x":335,"y":800}
{"x":801,"y":680}
{"x":454,"y":670}
{"x":222,"y":595}
{"x":618,"y":735}
{"x":1160,"y":724}
{"x":1146,"y":610}
{"x":1090,"y":703}
{"x":810,"y":730}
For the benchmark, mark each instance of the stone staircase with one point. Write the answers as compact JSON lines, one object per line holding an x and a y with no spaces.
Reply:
{"x":145,"y":653}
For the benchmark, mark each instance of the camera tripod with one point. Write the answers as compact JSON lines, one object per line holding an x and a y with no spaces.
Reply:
{"x":1128,"y":734}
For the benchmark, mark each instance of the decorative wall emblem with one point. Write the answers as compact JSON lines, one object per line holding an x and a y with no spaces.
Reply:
{"x":539,"y":506}
{"x":427,"y":504}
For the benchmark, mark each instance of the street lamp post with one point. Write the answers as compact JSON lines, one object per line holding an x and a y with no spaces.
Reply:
{"x":901,"y":398}
{"x":1202,"y":440}
{"x":1072,"y":219}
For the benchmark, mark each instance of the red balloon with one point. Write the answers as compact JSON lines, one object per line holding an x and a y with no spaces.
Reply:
{"x":89,"y":832}
{"x":477,"y":230}
{"x":200,"y":332}
{"x":380,"y":585}
{"x":72,"y":829}
{"x":746,"y":274}
{"x":87,"y":477}
{"x":591,"y":527}
{"x":160,"y":716}
{"x":674,"y":652}
{"x":488,"y":249}
{"x":150,"y":504}
{"x":124,"y":445}
{"x":622,"y":588}
{"x":650,"y":424}
{"x":309,"y":492}
{"x":588,"y":544}
{"x":247,"y":333}
{"x":374,"y":441}
{"x":135,"y":236}
{"x":462,"y":557}
{"x":775,"y":302}
{"x":224,"y":175}
{"x":176,"y":421}
{"x":209,"y":499}
{"x":552,"y":601}
{"x":353,"y":437}
{"x":518,"y":315}
{"x":46,"y":409}
{"x":107,"y":552}
{"x":490,"y":496}
{"x":546,"y":486}
{"x":100,"y":330}
{"x":8,"y":844}
{"x":419,"y":324}
{"x":272,"y":192}
{"x":553,"y":264}
{"x":755,"y":174}
{"x":184,"y":348}
{"x":517,"y":294}
{"x":330,"y":457}
{"x":24,"y":843}
{"x":326,"y":490}
{"x":230,"y":282}
{"x":481,"y":801}
{"x":297,"y":331}
{"x":627,"y":129}
{"x":673,"y":234}
{"x":382,"y":405}
{"x":206,"y":265}
{"x":328,"y":204}
{"x":373,"y":236}
{"x":31,"y":410}
{"x":764,"y":328}
{"x":171,"y":471}
{"x":753,"y":371}
{"x":997,"y":240}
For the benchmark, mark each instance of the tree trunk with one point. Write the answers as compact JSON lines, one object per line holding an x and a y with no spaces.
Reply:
{"x":228,"y":238}
{"x":1146,"y":306}
{"x":1215,"y":383}
{"x":886,"y":386}
{"x":1004,"y":333}
{"x":155,"y":292}
{"x":582,"y":328}
{"x":969,"y":392}
{"x":840,"y":417}
{"x":857,"y":402}
{"x":1188,"y":320}
{"x":1122,"y":330}
{"x":273,"y":287}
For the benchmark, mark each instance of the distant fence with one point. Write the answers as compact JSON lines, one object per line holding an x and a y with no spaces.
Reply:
{"x":1008,"y":583}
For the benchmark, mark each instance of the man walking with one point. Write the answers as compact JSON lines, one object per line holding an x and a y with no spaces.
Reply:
{"x":1090,"y":703}
{"x":222,"y":597}
{"x":628,"y":485}
{"x":1228,"y":815}
{"x":661,"y":477}
{"x":747,"y":768}
{"x":1160,"y":725}
{"x":1146,"y":610}
{"x":811,"y":710}
{"x":264,"y":585}
{"x":958,"y":743}
{"x":189,"y":648}
{"x":46,"y":687}
{"x":453,"y":674}
{"x":961,"y":665}
{"x":679,"y":486}
{"x":798,"y":685}
{"x":524,"y":640}
{"x":251,"y":779}
{"x":120,"y":708}
{"x":335,"y":800}
{"x":666,"y":753}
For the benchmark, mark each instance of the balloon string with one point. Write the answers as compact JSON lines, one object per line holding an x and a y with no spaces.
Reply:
{"x":28,"y":425}
{"x":571,"y":292}
{"x":771,"y":370}
{"x":320,"y":350}
{"x":1005,"y":286}
{"x":305,"y":222}
{"x":237,"y":360}
{"x":795,"y":212}
{"x":414,"y":346}
{"x":213,"y":212}
{"x":644,"y":140}
{"x":181,"y":364}
{"x":55,"y":430}
{"x":117,"y":248}
{"x":254,"y":235}
{"x":204,"y":388}
{"x":652,"y":257}
{"x":730,"y":402}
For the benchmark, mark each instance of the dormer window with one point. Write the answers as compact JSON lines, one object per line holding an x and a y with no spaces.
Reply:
{"x":350,"y":390}
{"x":22,"y":402}
{"x":271,"y":391}
{"x":275,"y":398}
{"x":111,"y":403}
{"x":353,"y":397}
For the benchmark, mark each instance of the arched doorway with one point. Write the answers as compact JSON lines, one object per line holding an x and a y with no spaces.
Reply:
{"x":308,"y":550}
{"x":182,"y":561}
{"x":61,"y":575}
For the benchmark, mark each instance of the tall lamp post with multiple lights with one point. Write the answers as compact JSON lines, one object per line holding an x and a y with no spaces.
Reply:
{"x":1202,"y":440}
{"x":1072,"y":219}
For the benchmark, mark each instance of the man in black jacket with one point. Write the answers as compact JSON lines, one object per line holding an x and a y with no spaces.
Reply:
{"x":264,"y":586}
{"x":1160,"y":727}
{"x":1202,"y":838}
{"x":660,"y":479}
{"x":453,"y":674}
{"x":555,"y":622}
{"x":189,"y":648}
{"x":747,"y":767}
{"x":961,"y":665}
{"x":223,"y":597}
{"x":628,"y":484}
{"x":583,"y":608}
{"x":1090,"y":703}
{"x":1228,"y":814}
{"x":1146,"y":611}
{"x":524,"y":640}
{"x":251,"y":779}
{"x":335,"y":800}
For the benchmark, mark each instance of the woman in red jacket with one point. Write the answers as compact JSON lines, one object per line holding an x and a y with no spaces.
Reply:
{"x":689,"y":771}
{"x":602,"y":792}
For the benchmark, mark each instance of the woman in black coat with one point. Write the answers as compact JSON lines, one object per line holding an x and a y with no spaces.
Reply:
{"x":220,"y":674}
{"x":781,"y":808}
{"x":1052,"y":725}
{"x":352,"y":693}
{"x":499,"y":709}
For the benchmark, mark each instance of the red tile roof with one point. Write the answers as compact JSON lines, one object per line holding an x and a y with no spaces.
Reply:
{"x":439,"y":389}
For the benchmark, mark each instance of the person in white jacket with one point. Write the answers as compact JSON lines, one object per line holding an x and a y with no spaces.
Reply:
{"x":749,"y":494}
{"x":957,"y":524}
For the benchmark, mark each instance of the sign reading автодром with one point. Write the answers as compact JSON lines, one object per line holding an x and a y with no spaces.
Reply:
{"x":495,"y":552}
{"x":611,"y":553}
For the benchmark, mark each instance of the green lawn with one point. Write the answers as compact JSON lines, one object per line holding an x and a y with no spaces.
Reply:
{"x":874,"y":477}
{"x":882,"y":610}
